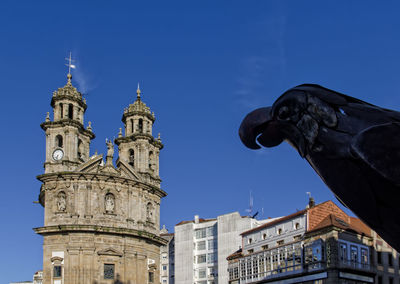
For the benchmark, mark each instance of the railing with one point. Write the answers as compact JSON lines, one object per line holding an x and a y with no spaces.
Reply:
{"x":346,"y":263}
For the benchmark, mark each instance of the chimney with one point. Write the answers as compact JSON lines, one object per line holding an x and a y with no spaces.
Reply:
{"x":196,"y":219}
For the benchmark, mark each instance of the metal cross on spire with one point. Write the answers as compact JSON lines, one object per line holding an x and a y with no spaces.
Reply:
{"x":69,"y":64}
{"x":138,"y":92}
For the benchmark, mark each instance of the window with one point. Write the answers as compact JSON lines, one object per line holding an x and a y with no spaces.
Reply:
{"x":390,"y":259}
{"x":131,"y":157}
{"x":281,"y":242}
{"x":379,"y":257}
{"x":109,"y":270}
{"x":164,"y":267}
{"x":279,"y":231}
{"x":380,"y":279}
{"x":201,"y":245}
{"x":200,"y":233}
{"x":353,"y":254}
{"x":297,"y":226}
{"x":149,"y":213}
{"x":264,"y":236}
{"x":57,"y":271}
{"x":70,"y":111}
{"x":297,"y":238}
{"x":132,"y":125}
{"x":140,"y":126}
{"x":151,"y":277}
{"x":211,"y":231}
{"x":390,"y":280}
{"x":151,"y":158}
{"x":201,"y":258}
{"x":342,"y":251}
{"x":265,"y":247}
{"x":59,"y":141}
{"x":61,"y":111}
{"x":212,"y":244}
{"x":250,"y":251}
{"x":249,"y":240}
{"x":80,"y":148}
{"x":364,"y":256}
{"x":211,"y":257}
{"x":202,"y":273}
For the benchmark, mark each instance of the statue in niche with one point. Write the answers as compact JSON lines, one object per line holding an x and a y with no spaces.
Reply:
{"x":109,"y":203}
{"x":149,"y":212}
{"x":61,"y":202}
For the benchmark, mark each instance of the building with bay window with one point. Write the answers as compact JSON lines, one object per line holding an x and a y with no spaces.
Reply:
{"x":320,"y":244}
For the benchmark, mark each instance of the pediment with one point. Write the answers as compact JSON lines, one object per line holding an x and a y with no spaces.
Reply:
{"x":127,"y":171}
{"x":92,"y":165}
{"x":110,"y":251}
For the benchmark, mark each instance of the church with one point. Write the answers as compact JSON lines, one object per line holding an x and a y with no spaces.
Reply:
{"x":101,"y":221}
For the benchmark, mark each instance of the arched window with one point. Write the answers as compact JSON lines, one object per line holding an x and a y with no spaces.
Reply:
{"x":131,"y":157}
{"x":59,"y":141}
{"x":140,"y":125}
{"x":80,"y":148}
{"x":149,"y":212}
{"x":70,"y":111}
{"x":61,"y":111}
{"x":109,"y":203}
{"x":131,"y":125}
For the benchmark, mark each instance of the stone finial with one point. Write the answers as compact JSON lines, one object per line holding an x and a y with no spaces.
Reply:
{"x":89,"y":126}
{"x":120,"y":132}
{"x":159,"y":137}
{"x":84,"y":100}
{"x":47,"y":117}
{"x":138,"y":92}
{"x":110,"y":152}
{"x":95,"y":152}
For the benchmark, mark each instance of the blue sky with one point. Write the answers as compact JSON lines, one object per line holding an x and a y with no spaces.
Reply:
{"x":202,"y":66}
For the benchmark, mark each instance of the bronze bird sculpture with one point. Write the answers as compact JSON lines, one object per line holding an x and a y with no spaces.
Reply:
{"x":353,"y":146}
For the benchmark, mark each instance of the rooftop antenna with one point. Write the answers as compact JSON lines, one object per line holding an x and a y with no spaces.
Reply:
{"x":250,"y":209}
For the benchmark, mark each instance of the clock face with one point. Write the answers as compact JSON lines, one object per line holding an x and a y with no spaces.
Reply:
{"x":58,"y":154}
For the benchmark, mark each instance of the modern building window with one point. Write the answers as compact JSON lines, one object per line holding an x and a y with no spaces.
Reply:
{"x":390,"y":280}
{"x":151,"y":277}
{"x":390,"y":259}
{"x":211,"y":231}
{"x":200,"y":233}
{"x":109,"y":271}
{"x":211,"y":257}
{"x":364,"y":256}
{"x":212,"y":244}
{"x":202,"y":258}
{"x":57,"y":271}
{"x":380,"y":280}
{"x":379,"y":257}
{"x":201,"y":245}
{"x":164,"y":267}
{"x":202,"y":273}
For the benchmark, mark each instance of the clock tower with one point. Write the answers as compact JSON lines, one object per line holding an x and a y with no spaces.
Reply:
{"x":67,"y":140}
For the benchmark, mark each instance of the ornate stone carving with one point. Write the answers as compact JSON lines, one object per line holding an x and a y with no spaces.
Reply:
{"x":109,"y":203}
{"x":61,"y":201}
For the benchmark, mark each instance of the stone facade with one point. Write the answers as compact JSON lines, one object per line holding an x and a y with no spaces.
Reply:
{"x":101,"y":222}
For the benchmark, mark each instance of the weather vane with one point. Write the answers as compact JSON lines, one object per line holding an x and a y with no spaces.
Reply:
{"x":69,"y":64}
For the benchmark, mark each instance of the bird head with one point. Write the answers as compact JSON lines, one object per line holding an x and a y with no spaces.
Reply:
{"x":295,"y":117}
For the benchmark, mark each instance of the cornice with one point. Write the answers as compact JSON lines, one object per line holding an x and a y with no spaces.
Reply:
{"x":48,"y":230}
{"x":59,"y":97}
{"x":141,"y":113}
{"x":137,"y":136}
{"x":67,"y":122}
{"x":101,"y":177}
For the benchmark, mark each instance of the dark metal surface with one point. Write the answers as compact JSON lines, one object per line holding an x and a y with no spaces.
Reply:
{"x":353,"y":146}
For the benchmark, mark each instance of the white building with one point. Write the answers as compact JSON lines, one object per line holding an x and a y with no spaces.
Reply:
{"x":167,"y":258}
{"x":202,"y":245}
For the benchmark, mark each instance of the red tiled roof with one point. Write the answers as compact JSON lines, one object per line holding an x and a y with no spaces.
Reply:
{"x":355,"y":225}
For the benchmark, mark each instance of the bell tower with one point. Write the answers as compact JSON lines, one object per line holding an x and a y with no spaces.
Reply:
{"x":138,"y":147}
{"x":67,"y":141}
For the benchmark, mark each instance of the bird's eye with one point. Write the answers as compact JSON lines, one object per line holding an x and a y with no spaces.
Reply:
{"x":284,"y":112}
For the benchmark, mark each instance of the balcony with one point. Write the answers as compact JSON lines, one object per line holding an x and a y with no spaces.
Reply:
{"x":354,"y":265}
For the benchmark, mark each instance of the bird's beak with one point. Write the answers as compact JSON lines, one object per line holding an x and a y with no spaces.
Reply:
{"x":259,"y":122}
{"x":272,"y":132}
